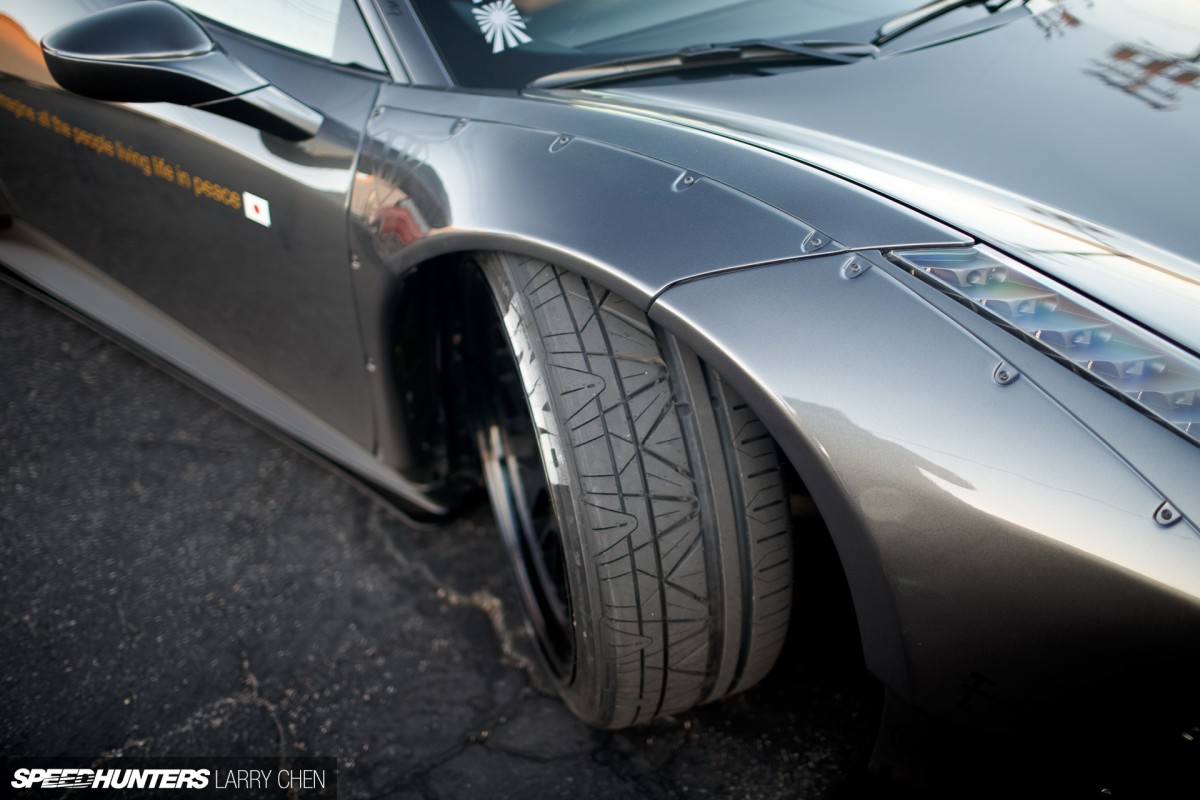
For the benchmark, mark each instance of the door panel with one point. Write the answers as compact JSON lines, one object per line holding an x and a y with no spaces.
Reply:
{"x":238,"y":235}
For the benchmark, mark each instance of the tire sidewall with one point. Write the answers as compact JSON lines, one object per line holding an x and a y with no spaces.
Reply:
{"x":589,"y":685}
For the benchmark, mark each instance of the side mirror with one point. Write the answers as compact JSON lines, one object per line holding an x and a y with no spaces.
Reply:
{"x":152,"y":51}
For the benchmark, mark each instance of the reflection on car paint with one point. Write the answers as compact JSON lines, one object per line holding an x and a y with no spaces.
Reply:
{"x":20,"y":53}
{"x":1156,"y":78}
{"x":402,"y":200}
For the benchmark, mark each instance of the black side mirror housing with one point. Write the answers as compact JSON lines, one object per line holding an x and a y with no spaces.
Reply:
{"x":152,"y":51}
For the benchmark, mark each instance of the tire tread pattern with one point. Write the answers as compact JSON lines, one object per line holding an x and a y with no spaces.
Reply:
{"x":641,"y":505}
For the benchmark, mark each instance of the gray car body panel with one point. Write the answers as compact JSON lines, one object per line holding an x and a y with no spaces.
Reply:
{"x":197,"y":258}
{"x":997,"y":539}
{"x":634,"y":204}
{"x":562,"y":177}
{"x":1000,"y":540}
{"x":136,"y":324}
{"x":1033,"y":149}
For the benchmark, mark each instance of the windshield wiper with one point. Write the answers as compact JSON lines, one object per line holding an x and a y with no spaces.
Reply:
{"x":927,"y":13}
{"x":706,"y":55}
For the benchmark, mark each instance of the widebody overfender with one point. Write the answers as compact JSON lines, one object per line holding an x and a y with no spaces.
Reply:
{"x":631,"y":203}
{"x":428,"y":185}
{"x":998,"y":538}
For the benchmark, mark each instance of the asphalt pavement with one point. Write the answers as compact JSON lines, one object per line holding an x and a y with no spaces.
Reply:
{"x":175,"y":581}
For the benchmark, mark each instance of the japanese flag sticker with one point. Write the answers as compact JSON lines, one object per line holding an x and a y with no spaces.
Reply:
{"x":257,"y":209}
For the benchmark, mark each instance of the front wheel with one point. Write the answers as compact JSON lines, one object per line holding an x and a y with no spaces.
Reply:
{"x":639,"y":499}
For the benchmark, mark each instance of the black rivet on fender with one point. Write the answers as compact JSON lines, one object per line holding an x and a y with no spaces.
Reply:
{"x":1167,"y":515}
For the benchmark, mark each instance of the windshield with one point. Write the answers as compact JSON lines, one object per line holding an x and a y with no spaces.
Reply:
{"x":508,"y":43}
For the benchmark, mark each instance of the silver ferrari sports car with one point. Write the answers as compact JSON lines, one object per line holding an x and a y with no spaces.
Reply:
{"x":651,"y":275}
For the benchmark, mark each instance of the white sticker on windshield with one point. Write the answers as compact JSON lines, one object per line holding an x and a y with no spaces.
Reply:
{"x":501,"y":24}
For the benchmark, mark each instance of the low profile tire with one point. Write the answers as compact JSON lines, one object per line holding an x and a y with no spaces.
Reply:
{"x":639,"y":499}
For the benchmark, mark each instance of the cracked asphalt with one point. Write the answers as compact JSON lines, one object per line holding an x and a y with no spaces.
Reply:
{"x":176,"y":582}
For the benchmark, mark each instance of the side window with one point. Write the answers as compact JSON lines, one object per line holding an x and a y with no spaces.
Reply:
{"x":329,"y":29}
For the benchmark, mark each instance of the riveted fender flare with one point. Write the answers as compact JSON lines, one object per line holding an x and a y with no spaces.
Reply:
{"x":996,"y":537}
{"x":430,"y":184}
